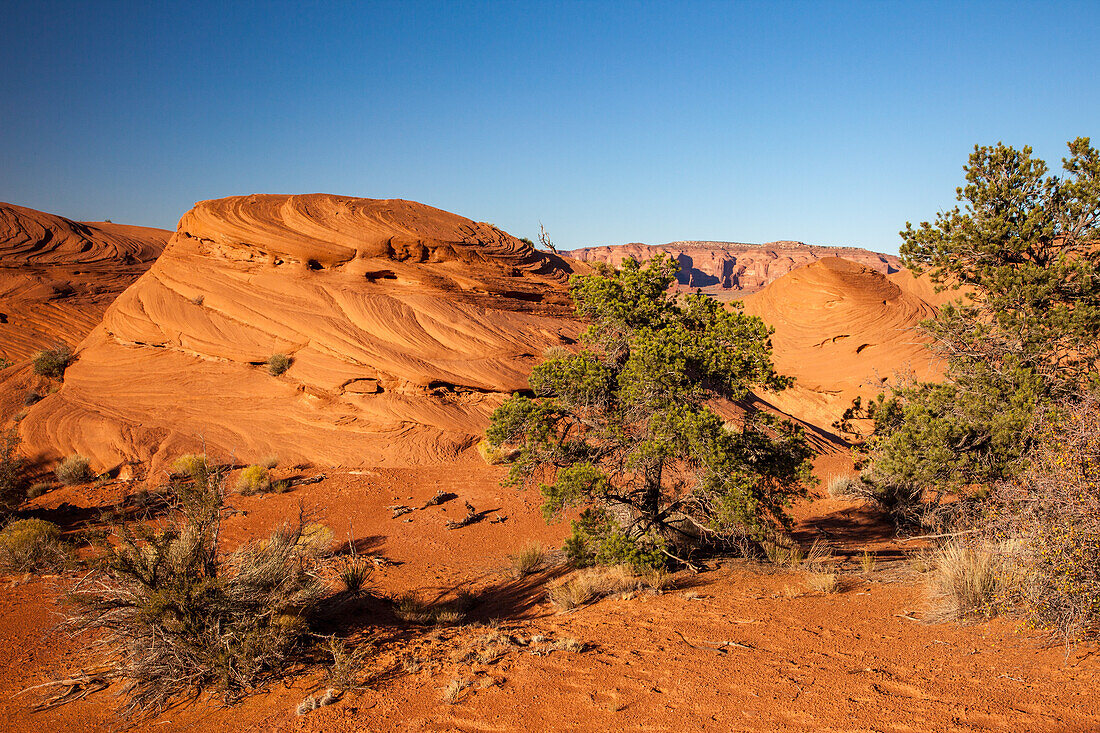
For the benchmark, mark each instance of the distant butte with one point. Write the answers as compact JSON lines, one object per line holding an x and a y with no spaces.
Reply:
{"x":736,"y":268}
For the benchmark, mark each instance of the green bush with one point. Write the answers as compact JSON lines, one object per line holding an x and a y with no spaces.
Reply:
{"x":13,"y":485}
{"x":277,"y":364}
{"x":74,"y":470}
{"x":624,"y":428}
{"x":51,"y":363}
{"x":31,"y":544}
{"x":178,"y":617}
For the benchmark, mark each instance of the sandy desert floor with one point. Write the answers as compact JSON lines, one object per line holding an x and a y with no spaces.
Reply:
{"x":741,"y":647}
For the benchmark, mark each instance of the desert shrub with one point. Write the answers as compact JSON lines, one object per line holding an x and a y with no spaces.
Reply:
{"x":277,"y":364}
{"x":269,"y":462}
{"x":4,"y":363}
{"x":193,"y":466}
{"x":178,"y":616}
{"x":253,"y":480}
{"x":31,"y":544}
{"x":867,"y":561}
{"x":494,"y":455}
{"x":52,"y":363}
{"x":74,"y":470}
{"x":527,"y":560}
{"x":1046,"y":524}
{"x":355,"y":575}
{"x":13,"y":485}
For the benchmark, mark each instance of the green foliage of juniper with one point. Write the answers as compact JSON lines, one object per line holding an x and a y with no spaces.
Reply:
{"x":1026,"y":332}
{"x":625,"y":428}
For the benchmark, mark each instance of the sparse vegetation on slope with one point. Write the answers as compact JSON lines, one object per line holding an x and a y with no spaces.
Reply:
{"x":52,"y":363}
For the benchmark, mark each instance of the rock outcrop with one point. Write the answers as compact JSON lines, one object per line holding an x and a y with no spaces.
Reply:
{"x":58,"y":276}
{"x":406,"y":325}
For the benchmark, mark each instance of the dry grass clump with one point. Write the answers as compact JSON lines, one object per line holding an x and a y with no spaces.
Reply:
{"x":348,"y":663}
{"x":591,"y":584}
{"x":74,"y":470}
{"x":527,"y":560}
{"x":824,"y":582}
{"x":38,"y":489}
{"x":254,"y":479}
{"x":411,"y":608}
{"x":52,"y":363}
{"x":847,"y":487}
{"x":495,"y":455}
{"x":177,"y":616}
{"x":269,"y":462}
{"x":452,"y":693}
{"x":277,"y":364}
{"x":963,"y":580}
{"x":783,"y":553}
{"x":867,"y":561}
{"x":31,"y":545}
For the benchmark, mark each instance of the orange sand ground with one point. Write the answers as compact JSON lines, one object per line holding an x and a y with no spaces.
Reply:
{"x":861,"y":660}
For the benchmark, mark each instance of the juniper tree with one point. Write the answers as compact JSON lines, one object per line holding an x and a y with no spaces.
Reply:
{"x":625,"y":427}
{"x":1026,"y":332}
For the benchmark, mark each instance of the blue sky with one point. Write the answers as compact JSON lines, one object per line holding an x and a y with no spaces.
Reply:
{"x":831,"y":123}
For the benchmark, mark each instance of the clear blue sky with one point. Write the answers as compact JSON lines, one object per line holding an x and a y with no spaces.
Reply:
{"x":832,"y":123}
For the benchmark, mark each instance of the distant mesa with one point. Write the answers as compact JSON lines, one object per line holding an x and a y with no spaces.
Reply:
{"x":406,"y":326}
{"x":57,"y":276}
{"x":733,"y":268}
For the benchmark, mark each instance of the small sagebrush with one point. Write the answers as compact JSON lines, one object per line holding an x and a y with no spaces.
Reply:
{"x":52,"y":363}
{"x":31,"y":544}
{"x":277,"y":364}
{"x":254,"y":480}
{"x":74,"y":470}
